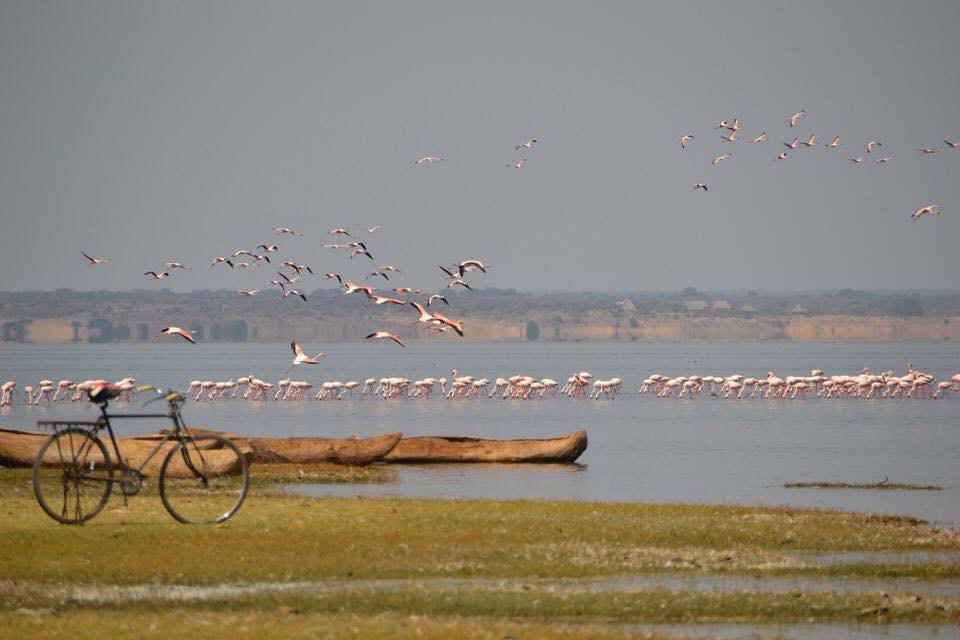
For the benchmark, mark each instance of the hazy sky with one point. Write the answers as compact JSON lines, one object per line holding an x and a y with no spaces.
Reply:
{"x":145,"y":131}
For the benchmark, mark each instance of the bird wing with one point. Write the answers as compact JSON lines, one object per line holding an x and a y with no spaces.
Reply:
{"x":397,"y":340}
{"x":186,"y":336}
{"x":297,"y":351}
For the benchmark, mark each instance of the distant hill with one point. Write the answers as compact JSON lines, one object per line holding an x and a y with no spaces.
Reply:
{"x":489,"y":314}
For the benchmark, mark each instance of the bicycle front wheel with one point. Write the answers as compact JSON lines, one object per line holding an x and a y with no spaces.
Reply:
{"x":72,"y":476}
{"x":204,"y":479}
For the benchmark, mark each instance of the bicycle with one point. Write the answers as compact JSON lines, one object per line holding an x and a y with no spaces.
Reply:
{"x":203,"y":478}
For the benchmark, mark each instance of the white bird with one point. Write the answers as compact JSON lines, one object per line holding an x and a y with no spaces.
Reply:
{"x":186,"y":335}
{"x":683,"y":140}
{"x":437,"y":296}
{"x":526,"y":145}
{"x":856,"y":160}
{"x":791,"y":145}
{"x":952,"y":145}
{"x":809,"y":142}
{"x":253,"y":292}
{"x":833,"y":144}
{"x":153,"y":275}
{"x":461,"y":282}
{"x":427,"y":159}
{"x":220,"y":259}
{"x":286,"y":231}
{"x":783,"y":156}
{"x":518,"y":164}
{"x":699,"y":185}
{"x":267,"y":248}
{"x":95,"y":261}
{"x":299,"y":357}
{"x":173,"y":264}
{"x":927,"y":151}
{"x":930,"y":208}
{"x":731,"y":138}
{"x":873,"y":143}
{"x":373,"y":228}
{"x":295,"y":292}
{"x":386,"y":334}
{"x":722,"y":157}
{"x":760,"y":138}
{"x":470,"y":265}
{"x":883,"y":160}
{"x":799,"y":114}
{"x":339,"y":232}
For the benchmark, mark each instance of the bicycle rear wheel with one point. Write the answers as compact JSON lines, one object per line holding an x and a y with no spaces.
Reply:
{"x":204,"y":479}
{"x":72,"y":476}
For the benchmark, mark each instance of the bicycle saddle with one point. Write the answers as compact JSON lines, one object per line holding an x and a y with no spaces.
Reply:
{"x":102,"y":393}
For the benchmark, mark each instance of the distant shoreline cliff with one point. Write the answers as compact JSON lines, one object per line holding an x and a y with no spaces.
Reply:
{"x":489,"y":315}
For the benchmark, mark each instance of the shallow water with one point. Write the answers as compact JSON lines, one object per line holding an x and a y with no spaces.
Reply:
{"x":641,"y":448}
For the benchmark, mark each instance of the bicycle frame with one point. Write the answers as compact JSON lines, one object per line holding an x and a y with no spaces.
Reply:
{"x":175,"y":433}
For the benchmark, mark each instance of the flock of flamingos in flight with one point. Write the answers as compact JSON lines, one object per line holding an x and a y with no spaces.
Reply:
{"x":866,"y":385}
{"x":733,"y":129}
{"x":290,"y":272}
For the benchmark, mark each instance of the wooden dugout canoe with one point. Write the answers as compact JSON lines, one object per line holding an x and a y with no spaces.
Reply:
{"x":20,"y":449}
{"x":352,"y":451}
{"x":427,"y":449}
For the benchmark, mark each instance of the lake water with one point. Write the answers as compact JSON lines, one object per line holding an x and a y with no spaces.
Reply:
{"x":641,"y":448}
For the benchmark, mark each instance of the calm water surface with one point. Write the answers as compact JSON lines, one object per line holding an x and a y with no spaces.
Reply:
{"x":641,"y":448}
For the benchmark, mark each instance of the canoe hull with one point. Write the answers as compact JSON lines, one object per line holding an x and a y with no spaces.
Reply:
{"x":20,"y":449}
{"x":430,"y":449}
{"x":351,"y":451}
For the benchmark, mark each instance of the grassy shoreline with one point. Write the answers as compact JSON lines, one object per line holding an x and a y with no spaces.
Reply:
{"x":279,"y":538}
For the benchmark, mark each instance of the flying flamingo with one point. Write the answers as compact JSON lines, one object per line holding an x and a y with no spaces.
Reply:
{"x":930,"y":208}
{"x":427,"y":159}
{"x":387,"y":335}
{"x":186,"y":335}
{"x":834,"y":144}
{"x":799,"y":114}
{"x":95,"y":261}
{"x":526,"y":145}
{"x":299,"y":357}
{"x":683,"y":140}
{"x":760,"y":138}
{"x":699,"y":185}
{"x":720,"y":158}
{"x":518,"y":164}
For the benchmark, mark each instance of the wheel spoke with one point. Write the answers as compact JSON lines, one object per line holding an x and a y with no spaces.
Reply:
{"x":76,"y":488}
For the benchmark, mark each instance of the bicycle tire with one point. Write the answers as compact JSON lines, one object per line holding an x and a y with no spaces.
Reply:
{"x":79,"y":462}
{"x":204,"y":479}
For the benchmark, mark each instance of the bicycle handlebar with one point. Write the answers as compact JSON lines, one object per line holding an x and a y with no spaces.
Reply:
{"x":171,"y":396}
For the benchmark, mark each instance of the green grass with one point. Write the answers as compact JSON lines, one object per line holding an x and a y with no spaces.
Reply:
{"x":284,"y":621}
{"x":278,"y":537}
